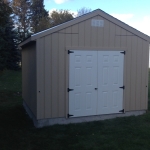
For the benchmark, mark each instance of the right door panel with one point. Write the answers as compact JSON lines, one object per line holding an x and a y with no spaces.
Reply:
{"x":110,"y":79}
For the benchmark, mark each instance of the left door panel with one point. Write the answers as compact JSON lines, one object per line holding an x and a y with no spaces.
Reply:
{"x":83,"y":81}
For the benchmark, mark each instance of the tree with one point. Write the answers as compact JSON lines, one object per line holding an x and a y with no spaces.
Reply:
{"x":21,"y":18}
{"x":60,"y":16}
{"x":39,"y":16}
{"x":13,"y":55}
{"x":83,"y":11}
{"x":9,"y":55}
{"x":4,"y":17}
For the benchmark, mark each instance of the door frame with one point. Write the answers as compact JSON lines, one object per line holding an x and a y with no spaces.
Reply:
{"x":89,"y":49}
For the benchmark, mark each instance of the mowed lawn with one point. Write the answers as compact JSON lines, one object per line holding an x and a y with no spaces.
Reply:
{"x":18,"y":133}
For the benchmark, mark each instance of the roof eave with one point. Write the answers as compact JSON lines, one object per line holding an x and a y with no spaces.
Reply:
{"x":26,"y":42}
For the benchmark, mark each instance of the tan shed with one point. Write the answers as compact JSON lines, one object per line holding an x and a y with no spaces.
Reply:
{"x":90,"y":68}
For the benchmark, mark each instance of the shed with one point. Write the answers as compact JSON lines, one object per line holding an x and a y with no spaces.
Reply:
{"x":93,"y":67}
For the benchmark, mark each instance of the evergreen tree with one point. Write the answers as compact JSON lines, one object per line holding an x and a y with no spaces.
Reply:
{"x":4,"y":17}
{"x":60,"y":16}
{"x":39,"y":19}
{"x":9,"y":55}
{"x":13,"y":56}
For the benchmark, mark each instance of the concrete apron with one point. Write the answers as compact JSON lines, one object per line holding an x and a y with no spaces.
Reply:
{"x":52,"y":121}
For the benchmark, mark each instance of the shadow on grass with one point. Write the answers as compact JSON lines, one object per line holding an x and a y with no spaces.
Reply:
{"x":18,"y":133}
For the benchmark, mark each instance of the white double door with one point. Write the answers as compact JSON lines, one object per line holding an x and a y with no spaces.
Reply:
{"x":95,"y":78}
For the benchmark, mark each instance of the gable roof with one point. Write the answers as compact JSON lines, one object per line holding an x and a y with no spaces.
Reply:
{"x":96,"y":12}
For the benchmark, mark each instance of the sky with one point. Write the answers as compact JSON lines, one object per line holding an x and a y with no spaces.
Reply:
{"x":135,"y":13}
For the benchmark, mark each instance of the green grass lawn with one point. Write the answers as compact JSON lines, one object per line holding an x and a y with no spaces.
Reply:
{"x":18,"y":133}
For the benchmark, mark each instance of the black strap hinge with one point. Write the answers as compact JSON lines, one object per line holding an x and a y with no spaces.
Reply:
{"x":123,"y":87}
{"x":122,"y":111}
{"x":69,"y":51}
{"x":69,"y":115}
{"x":123,"y":52}
{"x":69,"y":90}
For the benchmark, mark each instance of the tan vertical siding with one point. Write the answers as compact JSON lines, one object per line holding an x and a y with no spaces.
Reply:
{"x":117,"y":37}
{"x":68,"y":37}
{"x":48,"y":77}
{"x":55,"y":68}
{"x":138,"y":73}
{"x":66,"y":81}
{"x":74,"y":34}
{"x":111,"y":35}
{"x":106,"y":33}
{"x":133,"y":73}
{"x":143,"y":80}
{"x":144,"y":75}
{"x":53,"y":72}
{"x":123,"y":38}
{"x":147,"y":71}
{"x":81,"y":34}
{"x":29,"y":77}
{"x":40,"y":78}
{"x":100,"y":32}
{"x":62,"y":86}
{"x":127,"y":74}
{"x":94,"y":35}
{"x":87,"y":33}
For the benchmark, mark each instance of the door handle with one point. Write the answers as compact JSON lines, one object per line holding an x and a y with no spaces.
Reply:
{"x":95,"y":88}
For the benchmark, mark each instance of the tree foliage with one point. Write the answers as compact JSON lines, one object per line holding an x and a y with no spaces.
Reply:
{"x":39,"y":16}
{"x":4,"y":17}
{"x":9,"y":55}
{"x":60,"y":16}
{"x":19,"y":19}
{"x":21,"y":10}
{"x":83,"y":11}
